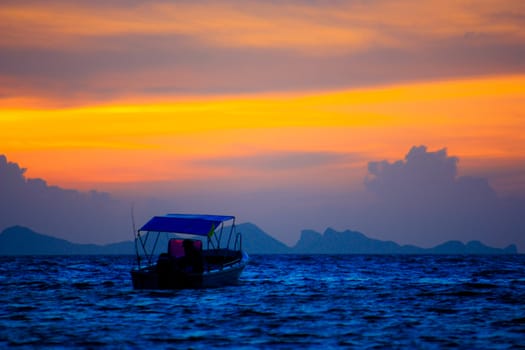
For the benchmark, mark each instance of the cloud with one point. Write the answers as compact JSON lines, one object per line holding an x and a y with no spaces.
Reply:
{"x":334,"y":27}
{"x":428,"y":172}
{"x":96,"y":51}
{"x":90,"y":217}
{"x":422,"y":200}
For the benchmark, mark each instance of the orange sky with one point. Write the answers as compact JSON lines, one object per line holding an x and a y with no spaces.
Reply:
{"x":94,"y":95}
{"x":271,"y":111}
{"x":479,"y":120}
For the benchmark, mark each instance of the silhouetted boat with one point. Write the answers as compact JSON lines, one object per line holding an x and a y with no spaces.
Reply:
{"x":194,"y":257}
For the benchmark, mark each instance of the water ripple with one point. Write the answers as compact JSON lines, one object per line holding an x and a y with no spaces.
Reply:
{"x":281,"y":302}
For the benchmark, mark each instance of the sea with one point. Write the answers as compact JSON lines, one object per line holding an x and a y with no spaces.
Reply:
{"x":280,"y":302}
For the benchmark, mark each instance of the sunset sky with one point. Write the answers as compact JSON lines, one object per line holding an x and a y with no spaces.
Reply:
{"x":180,"y":99}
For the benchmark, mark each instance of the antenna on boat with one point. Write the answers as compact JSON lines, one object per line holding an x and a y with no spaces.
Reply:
{"x":134,"y":232}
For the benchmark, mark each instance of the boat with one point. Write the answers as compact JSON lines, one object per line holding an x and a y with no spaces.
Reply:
{"x":194,"y":256}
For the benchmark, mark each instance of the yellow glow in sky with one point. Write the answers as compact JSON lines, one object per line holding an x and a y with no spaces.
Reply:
{"x":123,"y":142}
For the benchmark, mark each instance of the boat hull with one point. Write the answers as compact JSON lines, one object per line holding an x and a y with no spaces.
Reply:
{"x":153,"y":278}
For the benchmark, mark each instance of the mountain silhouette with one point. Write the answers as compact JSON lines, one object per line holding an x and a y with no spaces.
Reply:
{"x":351,"y":242}
{"x":18,"y":240}
{"x":256,"y":241}
{"x":348,"y":242}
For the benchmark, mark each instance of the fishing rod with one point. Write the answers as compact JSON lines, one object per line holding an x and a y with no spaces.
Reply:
{"x":135,"y":234}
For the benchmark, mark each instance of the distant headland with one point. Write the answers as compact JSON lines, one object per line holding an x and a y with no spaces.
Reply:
{"x":18,"y":240}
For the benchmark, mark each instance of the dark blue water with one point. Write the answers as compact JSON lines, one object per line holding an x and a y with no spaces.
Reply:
{"x":281,"y":302}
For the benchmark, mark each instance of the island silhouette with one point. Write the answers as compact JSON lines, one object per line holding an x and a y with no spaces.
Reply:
{"x":19,"y":240}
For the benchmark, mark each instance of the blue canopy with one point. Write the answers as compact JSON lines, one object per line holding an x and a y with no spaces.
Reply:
{"x":194,"y":224}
